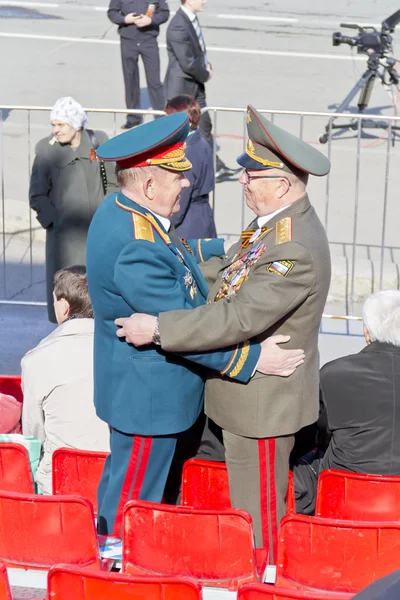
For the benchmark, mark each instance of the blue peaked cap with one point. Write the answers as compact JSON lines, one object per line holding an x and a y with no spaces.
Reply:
{"x":159,"y":142}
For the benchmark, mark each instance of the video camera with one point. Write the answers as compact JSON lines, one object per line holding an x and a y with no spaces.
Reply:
{"x":369,"y":39}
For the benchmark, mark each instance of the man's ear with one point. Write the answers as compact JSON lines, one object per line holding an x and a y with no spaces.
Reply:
{"x":148,"y":188}
{"x":366,"y":335}
{"x":66,"y":308}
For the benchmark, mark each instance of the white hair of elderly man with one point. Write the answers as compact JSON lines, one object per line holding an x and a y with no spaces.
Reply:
{"x":381,"y":316}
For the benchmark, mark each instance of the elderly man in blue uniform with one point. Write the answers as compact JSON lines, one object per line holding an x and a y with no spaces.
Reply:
{"x":136,"y":263}
{"x":274,"y":280}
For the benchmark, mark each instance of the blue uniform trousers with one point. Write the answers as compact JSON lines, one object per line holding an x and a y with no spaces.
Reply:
{"x":136,"y":469}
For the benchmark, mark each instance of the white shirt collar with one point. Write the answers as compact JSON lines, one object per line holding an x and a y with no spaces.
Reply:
{"x":166,"y":223}
{"x":189,"y":13}
{"x":262,"y":220}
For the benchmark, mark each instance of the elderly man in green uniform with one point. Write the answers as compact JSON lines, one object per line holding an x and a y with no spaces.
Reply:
{"x":275,"y":280}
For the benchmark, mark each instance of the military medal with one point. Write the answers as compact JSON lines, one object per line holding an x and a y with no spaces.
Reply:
{"x":234,"y":275}
{"x":188,"y":279}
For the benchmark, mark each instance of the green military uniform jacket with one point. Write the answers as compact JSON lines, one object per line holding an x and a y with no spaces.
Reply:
{"x":283,"y":292}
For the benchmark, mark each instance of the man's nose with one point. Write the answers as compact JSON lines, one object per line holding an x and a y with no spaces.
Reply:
{"x":185,"y":182}
{"x":242,"y":178}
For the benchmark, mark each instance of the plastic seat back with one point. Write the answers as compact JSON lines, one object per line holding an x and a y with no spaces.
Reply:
{"x":215,"y":547}
{"x":5,"y":592}
{"x":358,"y":497}
{"x":85,"y":584}
{"x":15,"y":469}
{"x":77,"y":472}
{"x":11,"y":385}
{"x":260,"y":591}
{"x":205,"y":484}
{"x":345,"y":555}
{"x":37,"y":532}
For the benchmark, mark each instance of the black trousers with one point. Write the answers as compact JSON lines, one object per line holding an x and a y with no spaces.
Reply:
{"x":130,"y":52}
{"x":205,"y":123}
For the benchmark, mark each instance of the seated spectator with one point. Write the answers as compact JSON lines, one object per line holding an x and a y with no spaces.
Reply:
{"x":195,"y":218}
{"x":57,"y":378}
{"x":10,"y":414}
{"x":360,"y":404}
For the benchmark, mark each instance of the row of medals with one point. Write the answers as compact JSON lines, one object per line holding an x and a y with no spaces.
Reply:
{"x":236,"y":273}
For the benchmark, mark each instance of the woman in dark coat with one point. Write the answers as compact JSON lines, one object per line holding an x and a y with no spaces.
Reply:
{"x":67,"y":186}
{"x":195,"y":218}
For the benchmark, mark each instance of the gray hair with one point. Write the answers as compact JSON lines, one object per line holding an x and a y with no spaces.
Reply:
{"x":381,"y":316}
{"x":127,"y":178}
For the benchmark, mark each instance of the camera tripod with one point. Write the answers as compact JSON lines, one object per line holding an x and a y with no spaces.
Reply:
{"x":388,"y":76}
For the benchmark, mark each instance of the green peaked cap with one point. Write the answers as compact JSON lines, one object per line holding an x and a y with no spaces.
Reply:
{"x":270,"y":146}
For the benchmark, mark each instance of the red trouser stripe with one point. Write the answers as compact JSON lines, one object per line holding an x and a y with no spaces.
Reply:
{"x":269,"y":523}
{"x":142,"y":468}
{"x":262,"y":458}
{"x":130,"y":475}
{"x":272,"y":495}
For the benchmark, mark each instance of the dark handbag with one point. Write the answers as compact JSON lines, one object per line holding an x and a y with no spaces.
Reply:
{"x":95,"y":144}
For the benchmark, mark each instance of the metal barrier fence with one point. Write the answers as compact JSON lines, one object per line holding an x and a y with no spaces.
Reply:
{"x":357,"y":202}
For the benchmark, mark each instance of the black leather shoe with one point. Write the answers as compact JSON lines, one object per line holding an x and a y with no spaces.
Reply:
{"x":225,"y":173}
{"x":128,"y":125}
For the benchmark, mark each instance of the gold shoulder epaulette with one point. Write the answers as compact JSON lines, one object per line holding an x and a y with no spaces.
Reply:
{"x":142,"y":228}
{"x":284,"y":230}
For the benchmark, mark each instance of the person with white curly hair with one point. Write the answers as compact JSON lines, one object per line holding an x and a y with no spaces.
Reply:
{"x":359,"y":423}
{"x":67,"y":186}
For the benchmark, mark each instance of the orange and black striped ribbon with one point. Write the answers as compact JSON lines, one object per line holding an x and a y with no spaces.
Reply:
{"x":247,"y":234}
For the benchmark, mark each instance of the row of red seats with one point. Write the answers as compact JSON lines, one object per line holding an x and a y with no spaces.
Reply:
{"x":95,"y":585}
{"x":340,"y":494}
{"x":215,"y":547}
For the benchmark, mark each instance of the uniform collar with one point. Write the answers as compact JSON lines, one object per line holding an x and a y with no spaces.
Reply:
{"x":132,"y":204}
{"x":261,"y":221}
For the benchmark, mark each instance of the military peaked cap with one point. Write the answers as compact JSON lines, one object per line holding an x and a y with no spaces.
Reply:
{"x":160,"y":142}
{"x":270,"y":147}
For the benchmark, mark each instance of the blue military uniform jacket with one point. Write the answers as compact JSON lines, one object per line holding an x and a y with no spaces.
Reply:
{"x":133,"y":266}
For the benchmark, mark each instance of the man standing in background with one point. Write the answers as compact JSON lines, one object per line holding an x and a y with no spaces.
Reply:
{"x":189,"y":69}
{"x":138,"y":26}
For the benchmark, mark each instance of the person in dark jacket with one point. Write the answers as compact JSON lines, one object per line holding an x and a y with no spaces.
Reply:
{"x":189,"y":68}
{"x":67,"y":186}
{"x":138,"y":26}
{"x":360,"y":400}
{"x":195,"y":218}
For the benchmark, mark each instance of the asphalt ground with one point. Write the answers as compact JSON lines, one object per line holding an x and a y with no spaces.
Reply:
{"x":274,"y":55}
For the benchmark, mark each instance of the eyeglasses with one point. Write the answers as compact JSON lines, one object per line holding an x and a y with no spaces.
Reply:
{"x":250,"y":177}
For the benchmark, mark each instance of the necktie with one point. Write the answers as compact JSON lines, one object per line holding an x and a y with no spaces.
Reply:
{"x":197,"y":29}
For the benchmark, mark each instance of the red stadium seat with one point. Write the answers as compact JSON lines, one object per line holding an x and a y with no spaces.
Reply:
{"x":333,"y":555}
{"x":205,"y":484}
{"x":5,"y":592}
{"x":77,"y":472}
{"x":358,"y":497}
{"x":261,"y":591}
{"x":36,"y":532}
{"x":65,"y":583}
{"x":215,"y":547}
{"x":11,"y":385}
{"x":15,"y":469}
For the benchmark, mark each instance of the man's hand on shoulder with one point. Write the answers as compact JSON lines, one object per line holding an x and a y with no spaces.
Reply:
{"x":138,"y":329}
{"x":276,"y":361}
